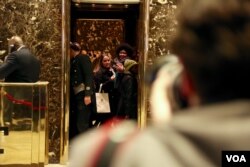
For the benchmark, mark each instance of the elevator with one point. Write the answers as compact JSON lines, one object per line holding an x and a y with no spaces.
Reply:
{"x":46,"y":29}
{"x":100,"y":27}
{"x":103,"y":26}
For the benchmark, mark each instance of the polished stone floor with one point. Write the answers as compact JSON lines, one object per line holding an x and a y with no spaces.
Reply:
{"x":55,"y":165}
{"x":17,"y":145}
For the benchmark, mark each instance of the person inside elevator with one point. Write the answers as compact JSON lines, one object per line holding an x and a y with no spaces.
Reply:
{"x":21,"y":66}
{"x":123,"y":51}
{"x":128,"y":91}
{"x":212,"y":41}
{"x":82,"y":97}
{"x":105,"y":76}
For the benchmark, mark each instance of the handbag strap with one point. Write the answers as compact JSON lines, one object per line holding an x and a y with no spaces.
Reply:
{"x":100,"y":88}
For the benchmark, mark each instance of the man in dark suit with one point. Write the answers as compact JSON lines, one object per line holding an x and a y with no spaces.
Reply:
{"x":82,"y":97}
{"x":20,"y":65}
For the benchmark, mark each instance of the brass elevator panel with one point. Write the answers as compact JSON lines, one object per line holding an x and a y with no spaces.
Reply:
{"x":23,"y":123}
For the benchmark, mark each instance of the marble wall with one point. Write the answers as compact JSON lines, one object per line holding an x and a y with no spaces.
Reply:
{"x":38,"y":22}
{"x":160,"y":18}
{"x":162,"y":25}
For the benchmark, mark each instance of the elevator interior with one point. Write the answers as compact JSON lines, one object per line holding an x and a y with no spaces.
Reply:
{"x":102,"y":26}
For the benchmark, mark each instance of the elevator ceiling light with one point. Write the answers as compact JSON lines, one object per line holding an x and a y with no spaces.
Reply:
{"x":108,"y":1}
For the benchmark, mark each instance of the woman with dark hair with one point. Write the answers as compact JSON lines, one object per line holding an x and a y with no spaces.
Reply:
{"x":106,"y":76}
{"x":123,"y":51}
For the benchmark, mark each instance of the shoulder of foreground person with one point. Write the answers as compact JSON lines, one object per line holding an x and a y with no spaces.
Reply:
{"x":194,"y":138}
{"x":143,"y":149}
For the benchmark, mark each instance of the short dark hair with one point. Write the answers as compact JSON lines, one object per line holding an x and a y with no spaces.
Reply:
{"x":75,"y":46}
{"x":212,"y":40}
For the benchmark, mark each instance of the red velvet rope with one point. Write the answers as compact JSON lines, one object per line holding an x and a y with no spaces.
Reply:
{"x":23,"y":102}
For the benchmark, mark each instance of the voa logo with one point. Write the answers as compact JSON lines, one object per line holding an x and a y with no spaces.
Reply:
{"x":236,"y":158}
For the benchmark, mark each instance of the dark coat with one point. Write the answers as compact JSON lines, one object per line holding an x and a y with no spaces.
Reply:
{"x":20,"y":66}
{"x":127,"y":90}
{"x":81,"y":114}
{"x":102,"y":76}
{"x":81,"y":72}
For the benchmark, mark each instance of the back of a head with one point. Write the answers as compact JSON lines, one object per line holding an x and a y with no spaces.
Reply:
{"x":75,"y":46}
{"x":16,"y":41}
{"x":213,"y":43}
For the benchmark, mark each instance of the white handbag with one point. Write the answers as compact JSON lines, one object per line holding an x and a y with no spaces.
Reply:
{"x":102,"y":101}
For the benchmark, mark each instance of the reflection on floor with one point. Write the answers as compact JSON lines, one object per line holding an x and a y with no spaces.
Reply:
{"x":55,"y":165}
{"x":17,"y":147}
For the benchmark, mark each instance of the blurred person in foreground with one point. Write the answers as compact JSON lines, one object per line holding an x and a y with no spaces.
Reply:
{"x":213,"y":44}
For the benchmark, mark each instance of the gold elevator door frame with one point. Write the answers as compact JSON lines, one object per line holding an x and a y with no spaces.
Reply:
{"x":142,"y":94}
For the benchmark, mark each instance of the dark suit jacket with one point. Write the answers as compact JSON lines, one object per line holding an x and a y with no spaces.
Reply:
{"x":20,"y":66}
{"x":81,"y":72}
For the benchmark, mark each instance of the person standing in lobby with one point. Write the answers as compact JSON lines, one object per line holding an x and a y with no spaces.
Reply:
{"x":20,"y":65}
{"x":82,"y":97}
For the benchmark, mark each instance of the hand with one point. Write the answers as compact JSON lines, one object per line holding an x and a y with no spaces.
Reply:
{"x":159,"y":101}
{"x":113,"y":72}
{"x":119,"y":67}
{"x":87,"y":100}
{"x":112,"y":77}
